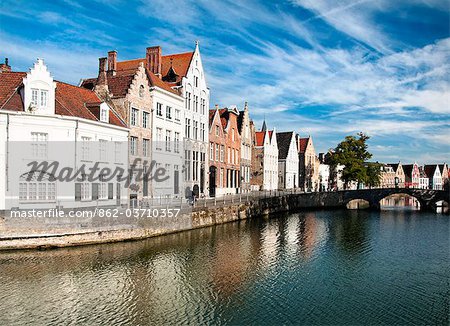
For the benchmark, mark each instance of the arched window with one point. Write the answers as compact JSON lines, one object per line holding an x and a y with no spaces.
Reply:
{"x":141,"y":91}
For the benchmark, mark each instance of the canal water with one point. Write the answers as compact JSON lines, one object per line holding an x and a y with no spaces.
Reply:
{"x":309,"y":268}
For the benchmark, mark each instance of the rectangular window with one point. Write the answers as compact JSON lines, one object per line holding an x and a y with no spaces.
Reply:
{"x":85,"y":191}
{"x":188,"y":100}
{"x":217,"y":130}
{"x":145,"y":119}
{"x":187,"y":165}
{"x":159,"y":107}
{"x":168,"y":112}
{"x":145,"y":182}
{"x":188,"y":128}
{"x":104,"y":115}
{"x":133,"y":145}
{"x":168,"y":140}
{"x":221,"y":178}
{"x":117,"y":151}
{"x":85,"y":148}
{"x":51,"y":194}
{"x":110,"y":190}
{"x":211,"y":151}
{"x":42,"y":188}
{"x":103,"y":153}
{"x":158,"y":138}
{"x":177,"y":142}
{"x":22,"y":191}
{"x":195,"y":131}
{"x":39,"y":144}
{"x":34,"y":97}
{"x":222,"y":153}
{"x":177,"y":115}
{"x":77,"y":191}
{"x":145,"y":147}
{"x":44,"y":95}
{"x":202,"y":131}
{"x":134,"y":116}
{"x":103,"y":191}
{"x":95,"y":191}
{"x":217,"y":152}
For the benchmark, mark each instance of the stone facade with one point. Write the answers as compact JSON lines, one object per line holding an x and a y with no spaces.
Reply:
{"x":387,"y":176}
{"x":308,"y":165}
{"x":128,"y":92}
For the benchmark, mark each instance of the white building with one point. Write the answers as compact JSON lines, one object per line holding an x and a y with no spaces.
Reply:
{"x":434,"y":174}
{"x":195,"y":91}
{"x":167,"y":145}
{"x":424,"y":181}
{"x":288,"y":161}
{"x":265,"y":159}
{"x":43,"y":120}
{"x":324,"y":177}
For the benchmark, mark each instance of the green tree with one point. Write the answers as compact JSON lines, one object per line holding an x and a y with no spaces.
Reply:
{"x":352,"y":153}
{"x":373,"y":174}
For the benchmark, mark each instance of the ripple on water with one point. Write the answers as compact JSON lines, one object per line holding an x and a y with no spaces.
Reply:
{"x":306,"y":268}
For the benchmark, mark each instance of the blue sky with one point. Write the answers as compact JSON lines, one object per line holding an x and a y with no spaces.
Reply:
{"x":325,"y":68}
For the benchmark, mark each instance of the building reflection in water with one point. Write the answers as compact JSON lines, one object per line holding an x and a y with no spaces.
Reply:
{"x":400,"y":201}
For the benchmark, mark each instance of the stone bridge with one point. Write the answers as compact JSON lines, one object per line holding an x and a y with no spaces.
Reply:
{"x":340,"y":199}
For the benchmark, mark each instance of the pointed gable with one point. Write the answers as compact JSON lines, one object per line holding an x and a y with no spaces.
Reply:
{"x":303,"y":144}
{"x":284,"y":140}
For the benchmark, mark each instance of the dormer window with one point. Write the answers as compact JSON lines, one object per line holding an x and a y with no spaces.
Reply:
{"x":44,"y":96}
{"x":104,"y":115}
{"x":39,"y":98}
{"x":34,"y":96}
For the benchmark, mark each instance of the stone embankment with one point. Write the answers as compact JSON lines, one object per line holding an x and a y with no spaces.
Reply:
{"x":22,"y":233}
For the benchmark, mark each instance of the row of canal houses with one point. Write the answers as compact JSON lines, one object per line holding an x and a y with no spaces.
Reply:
{"x":431,"y":176}
{"x":133,"y":115}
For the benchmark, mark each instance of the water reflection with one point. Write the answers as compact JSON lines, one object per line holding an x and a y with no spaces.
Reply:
{"x":334,"y":264}
{"x":400,"y":201}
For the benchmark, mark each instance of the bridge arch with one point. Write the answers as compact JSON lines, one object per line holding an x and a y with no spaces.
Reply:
{"x":401,"y":199}
{"x":426,"y":198}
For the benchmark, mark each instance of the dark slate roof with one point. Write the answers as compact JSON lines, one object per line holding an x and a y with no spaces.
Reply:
{"x":284,"y":141}
{"x":429,"y":170}
{"x":394,"y":166}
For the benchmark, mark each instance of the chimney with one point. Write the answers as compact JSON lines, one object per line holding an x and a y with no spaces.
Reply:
{"x":101,"y":79}
{"x":112,"y":63}
{"x":153,"y":60}
{"x":5,"y":66}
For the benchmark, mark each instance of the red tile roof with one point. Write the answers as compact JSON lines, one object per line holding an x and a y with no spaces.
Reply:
{"x":180,"y":63}
{"x":70,"y":100}
{"x":212,"y":112}
{"x":9,"y":82}
{"x":259,"y":138}
{"x":303,"y":143}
